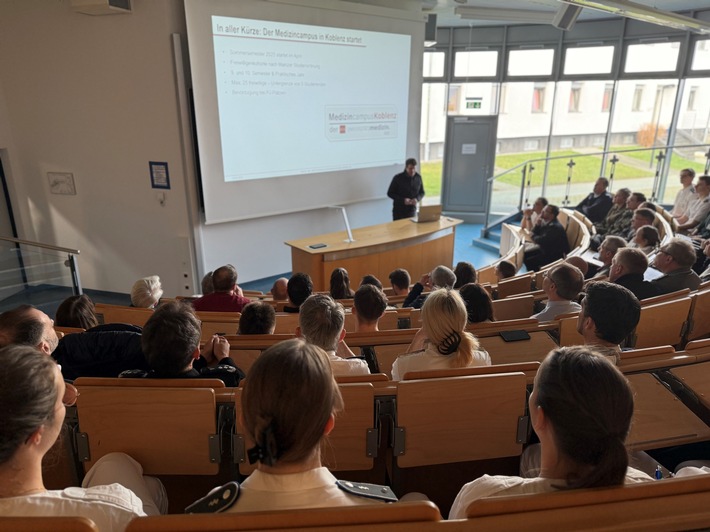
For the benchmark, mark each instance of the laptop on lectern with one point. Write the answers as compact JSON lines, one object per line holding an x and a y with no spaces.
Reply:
{"x":428,"y":213}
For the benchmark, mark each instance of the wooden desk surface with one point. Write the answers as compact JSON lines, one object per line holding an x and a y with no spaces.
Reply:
{"x":373,"y":235}
{"x":660,"y":418}
{"x":696,"y":377}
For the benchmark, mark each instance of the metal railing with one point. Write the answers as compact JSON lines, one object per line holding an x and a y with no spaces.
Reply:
{"x":28,"y":268}
{"x":528,"y":168}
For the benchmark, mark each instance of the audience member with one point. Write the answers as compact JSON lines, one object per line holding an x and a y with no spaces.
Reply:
{"x":369,"y":305}
{"x":607,"y":250}
{"x":406,"y":190}
{"x":640,"y":218}
{"x":674,"y":260}
{"x":207,"y":285}
{"x":685,"y":195}
{"x":479,"y":307}
{"x":299,"y":288}
{"x":646,"y":239}
{"x":635,"y":200}
{"x":649,"y":205}
{"x":371,"y":279}
{"x":171,"y":343}
{"x":561,"y":284}
{"x":340,"y":284}
{"x":400,"y":281}
{"x":289,"y":405}
{"x":627,"y":269}
{"x":581,"y":409}
{"x":505,"y":270}
{"x":443,"y":341}
{"x":34,"y":398}
{"x":26,"y":325}
{"x":465,"y":273}
{"x":257,"y":318}
{"x":531,"y":215}
{"x":321,"y":322}
{"x":609,"y":314}
{"x":617,"y":221}
{"x":550,"y":240}
{"x":146,"y":292}
{"x":439,"y":277}
{"x":699,"y":208}
{"x":76,"y":311}
{"x":279,"y":290}
{"x":598,"y":203}
{"x":227,"y":296}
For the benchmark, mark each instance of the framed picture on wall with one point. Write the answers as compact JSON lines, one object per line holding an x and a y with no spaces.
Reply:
{"x":61,"y":183}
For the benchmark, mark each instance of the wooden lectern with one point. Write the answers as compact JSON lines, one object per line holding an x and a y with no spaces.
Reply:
{"x":377,"y":250}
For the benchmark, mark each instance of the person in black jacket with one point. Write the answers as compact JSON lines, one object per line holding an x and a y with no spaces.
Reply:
{"x":406,"y":190}
{"x":627,"y":269}
{"x":171,"y":343}
{"x":598,"y":203}
{"x":550,"y":240}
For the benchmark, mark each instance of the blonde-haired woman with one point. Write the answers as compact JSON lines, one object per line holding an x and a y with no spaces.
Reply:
{"x":442,"y":342}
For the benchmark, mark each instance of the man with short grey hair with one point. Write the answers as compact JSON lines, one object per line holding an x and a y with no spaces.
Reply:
{"x":321,"y":322}
{"x":439,"y":277}
{"x":674,"y":260}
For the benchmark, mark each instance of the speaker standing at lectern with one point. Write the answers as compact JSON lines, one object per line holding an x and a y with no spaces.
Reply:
{"x":406,"y":190}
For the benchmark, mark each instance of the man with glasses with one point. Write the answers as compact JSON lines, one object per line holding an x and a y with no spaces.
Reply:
{"x":675,"y":260}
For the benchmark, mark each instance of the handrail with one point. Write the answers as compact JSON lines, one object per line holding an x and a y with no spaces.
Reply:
{"x":39,"y":245}
{"x":592,"y":154}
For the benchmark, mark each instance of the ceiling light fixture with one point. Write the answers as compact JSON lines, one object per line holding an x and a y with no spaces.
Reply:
{"x":628,"y":9}
{"x":505,"y":14}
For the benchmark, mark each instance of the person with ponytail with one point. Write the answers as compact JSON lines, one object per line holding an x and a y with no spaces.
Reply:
{"x":442,"y":342}
{"x":289,"y":405}
{"x":581,"y":409}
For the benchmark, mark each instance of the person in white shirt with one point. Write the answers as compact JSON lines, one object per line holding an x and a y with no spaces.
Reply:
{"x":321,"y":322}
{"x":581,"y":409}
{"x":561,"y":284}
{"x":289,"y":406}
{"x":685,"y":195}
{"x":442,"y":342}
{"x":699,"y":208}
{"x":34,"y":398}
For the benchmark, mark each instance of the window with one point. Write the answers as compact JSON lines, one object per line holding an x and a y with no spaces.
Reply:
{"x":566,"y":142}
{"x":588,"y":60}
{"x":476,"y":64}
{"x":434,"y":64}
{"x":606,"y":98}
{"x":454,"y":98}
{"x":638,"y":98}
{"x":531,"y":145}
{"x":701,"y":56}
{"x":575,"y":95}
{"x":530,"y":62}
{"x":538,"y":98}
{"x":692,"y":95}
{"x":655,"y":57}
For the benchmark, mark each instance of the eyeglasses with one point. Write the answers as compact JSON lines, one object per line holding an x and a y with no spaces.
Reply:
{"x":70,"y":395}
{"x":665,"y":253}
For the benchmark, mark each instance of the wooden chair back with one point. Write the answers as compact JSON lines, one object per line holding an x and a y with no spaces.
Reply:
{"x":529,"y":368}
{"x":672,"y":504}
{"x":63,"y":331}
{"x":286,"y":322}
{"x":699,"y":315}
{"x":169,"y":427}
{"x":515,"y":285}
{"x":365,"y":517}
{"x":47,"y":524}
{"x":533,"y":350}
{"x":662,"y":323}
{"x":568,"y":330}
{"x":120,"y":314}
{"x":444,"y":419}
{"x":514,"y":307}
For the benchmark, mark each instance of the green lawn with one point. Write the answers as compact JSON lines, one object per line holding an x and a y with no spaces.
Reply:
{"x":586,"y":169}
{"x":677,"y":162}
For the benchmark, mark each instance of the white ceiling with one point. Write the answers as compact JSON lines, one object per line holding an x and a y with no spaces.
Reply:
{"x":444,"y":9}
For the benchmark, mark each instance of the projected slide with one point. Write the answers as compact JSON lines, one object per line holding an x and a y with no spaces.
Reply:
{"x":296,"y":99}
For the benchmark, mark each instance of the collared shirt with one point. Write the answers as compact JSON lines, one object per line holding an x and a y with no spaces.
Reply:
{"x":682,"y":201}
{"x":347,"y":366}
{"x":430,"y":358}
{"x":315,"y":488}
{"x":111,"y":507}
{"x":555,"y":308}
{"x":699,"y":209}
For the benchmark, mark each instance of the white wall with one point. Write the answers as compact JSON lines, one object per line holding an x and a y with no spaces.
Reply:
{"x":96,"y":96}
